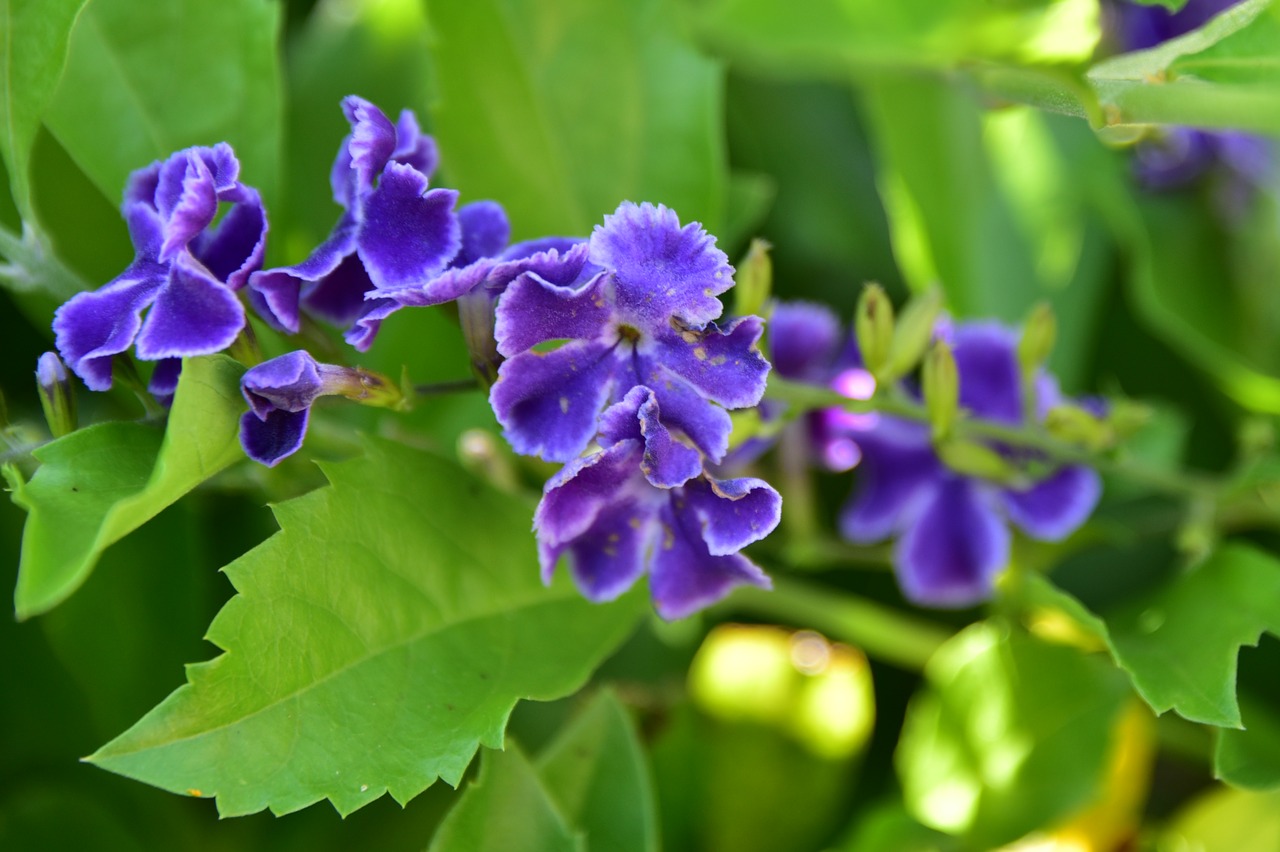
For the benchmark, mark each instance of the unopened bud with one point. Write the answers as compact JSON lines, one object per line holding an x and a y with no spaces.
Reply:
{"x":57,"y":397}
{"x":1126,"y":417}
{"x":1074,"y":425}
{"x":364,"y":386}
{"x":476,"y":316}
{"x":941,"y":385}
{"x":753,"y":280}
{"x":873,"y":324}
{"x":973,"y":459}
{"x":912,"y":334}
{"x":1039,"y":333}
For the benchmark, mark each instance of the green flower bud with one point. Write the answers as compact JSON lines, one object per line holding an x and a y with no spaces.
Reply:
{"x":941,"y":389}
{"x":873,"y":324}
{"x":912,"y":334}
{"x":57,"y":397}
{"x":973,"y":459}
{"x":1039,"y":333}
{"x":754,"y":279}
{"x":1074,"y":425}
{"x":1126,"y":418}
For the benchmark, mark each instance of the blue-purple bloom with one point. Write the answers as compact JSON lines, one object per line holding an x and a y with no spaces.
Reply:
{"x":185,"y":270}
{"x":953,"y":533}
{"x":636,"y":310}
{"x":643,"y":504}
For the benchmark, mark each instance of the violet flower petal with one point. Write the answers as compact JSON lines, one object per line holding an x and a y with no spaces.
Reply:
{"x":408,"y":233}
{"x":685,"y":576}
{"x":193,"y":314}
{"x":274,"y":439}
{"x":164,"y":379}
{"x":93,"y":326}
{"x":573,"y":497}
{"x":683,"y":408}
{"x":1056,"y":506}
{"x":804,"y":339}
{"x":235,"y":248}
{"x":413,"y":147}
{"x":532,"y":310}
{"x":725,"y":365}
{"x":733,"y":512}
{"x":290,"y":382}
{"x":987,"y":364}
{"x":951,"y":554}
{"x":896,"y":475}
{"x":666,"y":462}
{"x":485,"y":231}
{"x":187,"y":200}
{"x":609,"y":557}
{"x":372,"y":140}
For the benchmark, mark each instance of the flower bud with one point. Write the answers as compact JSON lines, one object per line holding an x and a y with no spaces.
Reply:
{"x":476,"y":312}
{"x":1038,"y":336}
{"x":1127,"y":417}
{"x":754,"y":279}
{"x":57,"y":397}
{"x":941,"y":385}
{"x":912,"y":334}
{"x":973,"y":459}
{"x":873,"y":324}
{"x":1073,"y":424}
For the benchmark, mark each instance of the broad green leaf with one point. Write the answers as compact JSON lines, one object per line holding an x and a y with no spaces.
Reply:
{"x":1250,"y":757}
{"x":564,"y":109}
{"x":1010,"y":735}
{"x":378,"y":640}
{"x":1225,"y":820}
{"x":507,"y":810}
{"x":144,"y":80}
{"x":33,"y":46}
{"x":595,"y":773}
{"x":97,"y":485}
{"x":889,"y":828}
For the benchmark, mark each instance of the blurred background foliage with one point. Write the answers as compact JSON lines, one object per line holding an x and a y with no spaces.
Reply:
{"x":984,"y":146}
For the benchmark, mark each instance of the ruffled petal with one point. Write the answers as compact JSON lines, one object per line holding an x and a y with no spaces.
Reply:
{"x":705,"y":424}
{"x":898,"y":472}
{"x":548,"y":402}
{"x":187,"y":200}
{"x":413,"y":147}
{"x":608,"y":558}
{"x":685,"y":576}
{"x":666,"y":462}
{"x":724,"y":365}
{"x":408,"y":233}
{"x":663,"y":269}
{"x":532,"y":310}
{"x":193,"y":314}
{"x":290,"y":382}
{"x":733,"y":512}
{"x":274,"y":439}
{"x":366,"y":327}
{"x":804,"y":339}
{"x":445,"y":287}
{"x":574,"y":495}
{"x":142,"y":186}
{"x":951,"y":554}
{"x":235,"y":249}
{"x":485,"y":231}
{"x":987,"y":364}
{"x":372,"y":140}
{"x":92,"y":327}
{"x":339,"y":296}
{"x":1056,"y":506}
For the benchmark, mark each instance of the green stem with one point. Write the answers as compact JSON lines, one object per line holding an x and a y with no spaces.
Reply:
{"x":881,"y":631}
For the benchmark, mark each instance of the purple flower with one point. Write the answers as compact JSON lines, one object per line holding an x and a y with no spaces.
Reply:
{"x":280,"y":393}
{"x":394,"y":232}
{"x":954,"y":537}
{"x":645,"y":318}
{"x":643,"y":504}
{"x":184,"y":270}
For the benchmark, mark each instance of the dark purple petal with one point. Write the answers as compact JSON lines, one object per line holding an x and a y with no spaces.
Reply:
{"x":1054,"y":507}
{"x":951,"y":554}
{"x":485,"y":231}
{"x":1174,"y":159}
{"x":164,"y":379}
{"x":193,"y":314}
{"x":707,"y":425}
{"x":339,"y":296}
{"x":666,"y":462}
{"x":142,"y":185}
{"x":532,"y":310}
{"x":684,"y":576}
{"x":92,"y":327}
{"x":147,"y":232}
{"x":274,"y":296}
{"x":548,"y":402}
{"x":804,"y":339}
{"x":573,"y":497}
{"x":274,"y":439}
{"x":724,"y":365}
{"x":608,"y":558}
{"x":663,"y":270}
{"x":987,"y":364}
{"x":188,"y":199}
{"x":413,"y":147}
{"x":733,"y":512}
{"x":366,"y":327}
{"x":290,"y":382}
{"x":342,"y":177}
{"x":235,"y":248}
{"x":372,"y":140}
{"x":408,"y":233}
{"x":221,"y":162}
{"x":445,"y":287}
{"x":898,"y":473}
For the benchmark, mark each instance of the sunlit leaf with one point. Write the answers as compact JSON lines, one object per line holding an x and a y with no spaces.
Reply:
{"x":1250,"y":757}
{"x":378,"y":640}
{"x":98,"y":484}
{"x":1228,"y":821}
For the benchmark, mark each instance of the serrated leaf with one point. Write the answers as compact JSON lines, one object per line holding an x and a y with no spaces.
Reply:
{"x":595,"y":773}
{"x":1250,"y":757}
{"x":378,"y":640}
{"x":32,"y":50}
{"x":1011,"y":735}
{"x":506,"y":810}
{"x":97,"y":485}
{"x":144,"y":80}
{"x":510,"y":116}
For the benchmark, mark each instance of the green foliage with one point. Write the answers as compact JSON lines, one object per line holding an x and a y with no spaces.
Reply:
{"x":1250,"y":757}
{"x":511,"y":116}
{"x":589,"y":791}
{"x":1012,"y":734}
{"x":137,"y":87}
{"x":378,"y":639}
{"x":97,"y":485}
{"x":1228,"y":821}
{"x":32,"y":51}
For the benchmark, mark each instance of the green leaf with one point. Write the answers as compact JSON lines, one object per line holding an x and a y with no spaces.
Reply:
{"x":32,"y":266}
{"x":32,"y":51}
{"x":1011,"y":734}
{"x":1225,"y":820}
{"x":1250,"y":757}
{"x":506,"y":810}
{"x":564,"y":109}
{"x":378,"y":640}
{"x":595,"y":773}
{"x":144,"y":80}
{"x":97,"y":485}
